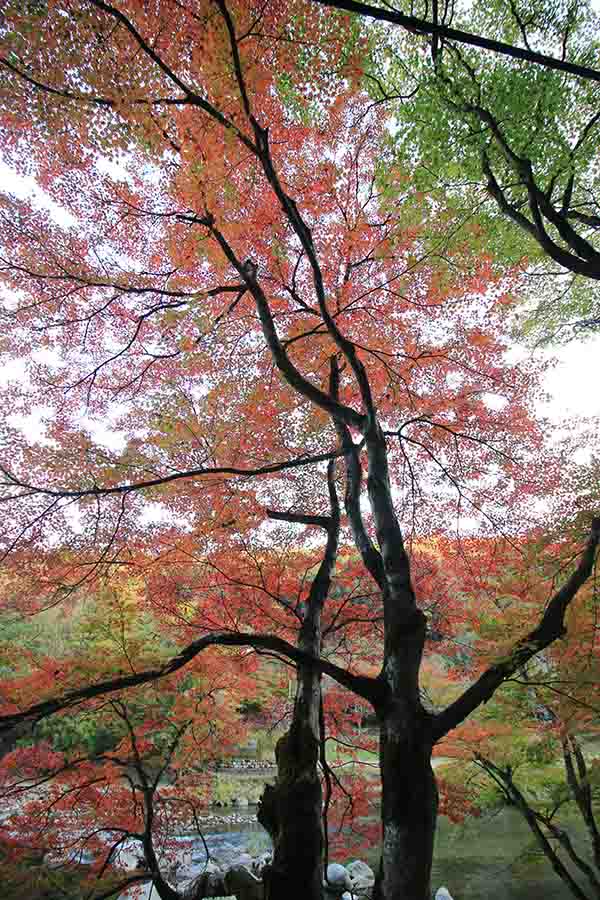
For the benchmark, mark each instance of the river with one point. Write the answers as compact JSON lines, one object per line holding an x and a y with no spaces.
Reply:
{"x":493,"y":857}
{"x":489,"y":858}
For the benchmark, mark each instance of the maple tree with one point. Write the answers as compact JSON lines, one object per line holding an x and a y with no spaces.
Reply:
{"x":222,"y":280}
{"x":98,"y":811}
{"x":522,"y":134}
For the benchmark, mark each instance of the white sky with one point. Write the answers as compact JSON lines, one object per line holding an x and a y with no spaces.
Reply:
{"x":574,"y":384}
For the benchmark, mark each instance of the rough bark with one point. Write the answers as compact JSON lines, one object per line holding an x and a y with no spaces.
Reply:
{"x":290,"y":809}
{"x":409,"y":793}
{"x":409,"y":805}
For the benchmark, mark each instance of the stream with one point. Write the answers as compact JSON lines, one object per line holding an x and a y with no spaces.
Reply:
{"x":495,"y":857}
{"x":489,"y":858}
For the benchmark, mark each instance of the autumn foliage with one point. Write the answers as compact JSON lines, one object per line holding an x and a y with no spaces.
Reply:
{"x":223,"y":316}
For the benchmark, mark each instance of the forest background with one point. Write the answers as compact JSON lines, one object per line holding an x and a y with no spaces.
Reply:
{"x":270,"y":196}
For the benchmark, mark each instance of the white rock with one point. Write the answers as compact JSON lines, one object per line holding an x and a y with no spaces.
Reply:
{"x":360,"y":873}
{"x":443,"y":894}
{"x":338,"y":879}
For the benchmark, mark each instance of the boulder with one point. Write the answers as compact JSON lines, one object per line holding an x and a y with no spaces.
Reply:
{"x":338,"y":880}
{"x":208,"y":884}
{"x":443,"y":894}
{"x":213,"y":867}
{"x":240,"y":881}
{"x":237,"y":881}
{"x":362,"y":877}
{"x":360,"y":871}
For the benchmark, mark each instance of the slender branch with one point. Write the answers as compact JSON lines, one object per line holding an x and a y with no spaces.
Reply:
{"x":190,"y":95}
{"x":529,"y":814}
{"x":299,"y":518}
{"x":362,"y":685}
{"x":289,"y":371}
{"x":98,"y":491}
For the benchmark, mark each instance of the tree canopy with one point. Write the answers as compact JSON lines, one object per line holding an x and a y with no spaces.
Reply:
{"x":218,"y":273}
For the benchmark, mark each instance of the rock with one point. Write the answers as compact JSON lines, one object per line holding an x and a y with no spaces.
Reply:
{"x":213,"y":867}
{"x":208,"y":884}
{"x":260,"y":862}
{"x":362,"y":891}
{"x":197,"y":869}
{"x":239,"y":880}
{"x":362,"y":877}
{"x":443,"y":894}
{"x":338,"y":879}
{"x":359,"y":871}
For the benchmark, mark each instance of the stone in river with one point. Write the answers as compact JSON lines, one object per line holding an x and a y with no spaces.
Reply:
{"x":443,"y":894}
{"x":338,"y":879}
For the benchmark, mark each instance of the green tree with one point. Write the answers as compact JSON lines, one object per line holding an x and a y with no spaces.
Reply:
{"x":511,"y":143}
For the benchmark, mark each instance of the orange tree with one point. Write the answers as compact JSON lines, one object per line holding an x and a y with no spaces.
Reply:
{"x":215,"y":273}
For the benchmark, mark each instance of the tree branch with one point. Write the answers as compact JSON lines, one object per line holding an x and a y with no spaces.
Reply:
{"x":362,"y":685}
{"x":550,"y":627}
{"x":32,"y":490}
{"x":422,"y":26}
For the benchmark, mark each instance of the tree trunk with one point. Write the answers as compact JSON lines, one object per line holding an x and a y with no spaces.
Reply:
{"x":409,"y":798}
{"x":290,"y":810}
{"x":409,"y":805}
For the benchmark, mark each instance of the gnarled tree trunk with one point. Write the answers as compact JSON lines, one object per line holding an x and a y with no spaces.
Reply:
{"x":290,"y":809}
{"x":409,"y":793}
{"x":409,"y":807}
